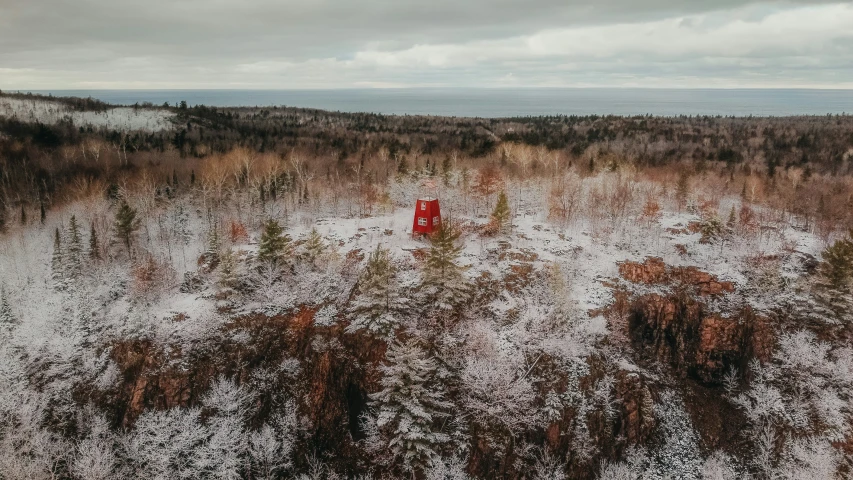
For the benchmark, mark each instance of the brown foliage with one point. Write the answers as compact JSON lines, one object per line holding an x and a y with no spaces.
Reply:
{"x":489,"y":181}
{"x":151,"y":276}
{"x":237,"y":232}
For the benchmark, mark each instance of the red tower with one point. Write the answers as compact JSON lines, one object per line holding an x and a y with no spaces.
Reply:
{"x":427,"y":213}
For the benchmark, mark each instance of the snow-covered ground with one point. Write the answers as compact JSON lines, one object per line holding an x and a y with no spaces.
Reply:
{"x":507,"y":330}
{"x":119,"y":118}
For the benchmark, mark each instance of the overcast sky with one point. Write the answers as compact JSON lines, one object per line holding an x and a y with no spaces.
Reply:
{"x":56,"y":44}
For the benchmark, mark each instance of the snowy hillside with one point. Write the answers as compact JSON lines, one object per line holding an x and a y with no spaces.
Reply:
{"x":242,"y":297}
{"x":118,"y":118}
{"x":522,"y":327}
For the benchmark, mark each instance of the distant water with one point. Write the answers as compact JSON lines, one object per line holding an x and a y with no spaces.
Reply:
{"x":503,"y":102}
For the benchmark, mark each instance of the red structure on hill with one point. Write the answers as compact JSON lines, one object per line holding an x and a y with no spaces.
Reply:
{"x":427,"y":212}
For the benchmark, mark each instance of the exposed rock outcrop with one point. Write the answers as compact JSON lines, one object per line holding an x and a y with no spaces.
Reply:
{"x":678,"y":326}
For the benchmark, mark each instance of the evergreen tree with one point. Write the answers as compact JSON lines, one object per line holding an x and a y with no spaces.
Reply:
{"x":81,"y":321}
{"x":378,"y":307}
{"x":42,"y":212}
{"x":214,"y":242}
{"x":2,"y":216}
{"x":711,"y":228}
{"x":94,"y":247}
{"x":74,"y":257}
{"x":7,"y":319}
{"x":180,"y":225}
{"x":732,"y":221}
{"x":443,"y":281}
{"x":314,"y":247}
{"x":274,"y":243}
{"x":23,"y":214}
{"x":837,"y":265}
{"x":126,"y":224}
{"x":227,"y":270}
{"x":411,"y":406}
{"x":57,"y":262}
{"x":835,"y":284}
{"x":501,"y":213}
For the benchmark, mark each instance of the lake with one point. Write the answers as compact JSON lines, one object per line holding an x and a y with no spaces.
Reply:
{"x":508,"y":102}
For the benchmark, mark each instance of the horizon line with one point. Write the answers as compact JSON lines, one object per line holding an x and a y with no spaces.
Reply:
{"x":422,"y":87}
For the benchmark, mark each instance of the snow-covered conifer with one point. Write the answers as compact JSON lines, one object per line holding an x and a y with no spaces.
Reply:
{"x":452,"y":468}
{"x":74,"y":256}
{"x":501,"y":213}
{"x":378,"y":306}
{"x":274,"y":244}
{"x":411,"y":406}
{"x":214,"y":242}
{"x":228,"y":270}
{"x":835,"y":284}
{"x":444,"y":281}
{"x":126,"y":224}
{"x":7,"y":318}
{"x":57,"y":262}
{"x":180,"y":224}
{"x":94,"y":245}
{"x":314,"y":247}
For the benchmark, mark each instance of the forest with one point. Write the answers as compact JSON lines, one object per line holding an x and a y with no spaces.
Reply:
{"x":200,"y":292}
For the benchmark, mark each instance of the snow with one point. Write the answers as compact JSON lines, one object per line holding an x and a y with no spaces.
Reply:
{"x":501,"y":338}
{"x":118,"y":118}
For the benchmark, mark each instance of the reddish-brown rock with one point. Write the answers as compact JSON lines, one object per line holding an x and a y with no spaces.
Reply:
{"x":653,"y":271}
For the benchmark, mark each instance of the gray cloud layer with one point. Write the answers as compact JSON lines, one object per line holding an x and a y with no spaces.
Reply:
{"x":344,"y":43}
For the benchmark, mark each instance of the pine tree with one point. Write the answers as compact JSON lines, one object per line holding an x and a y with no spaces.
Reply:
{"x":835,"y":284}
{"x":82,"y":323}
{"x":411,"y":406}
{"x":711,"y":228}
{"x":732,"y":221}
{"x":227,"y":270}
{"x":214,"y":242}
{"x":126,"y":224}
{"x":314,"y":247}
{"x":23,"y":215}
{"x":74,"y":257}
{"x":7,"y":319}
{"x":180,"y":224}
{"x":443,"y":281}
{"x":2,"y":216}
{"x":94,"y":248}
{"x":501,"y":213}
{"x":274,"y":244}
{"x":837,"y":265}
{"x":57,"y":262}
{"x":378,"y":307}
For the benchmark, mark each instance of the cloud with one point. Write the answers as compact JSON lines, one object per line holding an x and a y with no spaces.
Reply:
{"x":311,"y":44}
